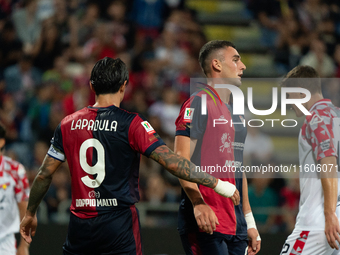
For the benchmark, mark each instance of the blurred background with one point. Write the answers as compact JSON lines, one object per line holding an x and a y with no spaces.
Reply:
{"x":47,"y":51}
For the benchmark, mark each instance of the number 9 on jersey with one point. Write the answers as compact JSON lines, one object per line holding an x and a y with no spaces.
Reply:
{"x":98,"y":168}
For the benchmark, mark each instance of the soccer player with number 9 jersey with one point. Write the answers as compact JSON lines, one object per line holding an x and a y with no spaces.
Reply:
{"x":102,"y":145}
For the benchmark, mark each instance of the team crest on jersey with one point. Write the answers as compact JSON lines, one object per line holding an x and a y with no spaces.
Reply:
{"x":188,"y":113}
{"x":226,"y":143}
{"x":149,"y":129}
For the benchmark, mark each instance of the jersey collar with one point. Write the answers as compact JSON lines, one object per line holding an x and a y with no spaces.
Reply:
{"x":321,"y":101}
{"x":110,"y":106}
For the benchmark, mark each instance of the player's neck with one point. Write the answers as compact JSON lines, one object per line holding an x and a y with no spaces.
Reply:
{"x":314,"y":98}
{"x":107,"y":100}
{"x":223,"y":93}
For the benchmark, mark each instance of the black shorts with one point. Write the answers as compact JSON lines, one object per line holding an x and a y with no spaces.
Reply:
{"x":117,"y":232}
{"x":199,"y":243}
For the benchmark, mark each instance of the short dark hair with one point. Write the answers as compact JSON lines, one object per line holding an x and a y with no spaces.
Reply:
{"x":108,"y":75}
{"x":2,"y":131}
{"x":208,"y":49}
{"x":313,"y":83}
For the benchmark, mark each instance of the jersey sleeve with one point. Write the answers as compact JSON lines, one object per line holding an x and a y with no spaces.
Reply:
{"x":57,"y":150}
{"x":142,"y":137}
{"x":321,"y":135}
{"x":21,"y":185}
{"x":190,"y":122}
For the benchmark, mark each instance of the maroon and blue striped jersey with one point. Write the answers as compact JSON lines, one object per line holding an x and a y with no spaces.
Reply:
{"x":102,"y":147}
{"x":219,"y":148}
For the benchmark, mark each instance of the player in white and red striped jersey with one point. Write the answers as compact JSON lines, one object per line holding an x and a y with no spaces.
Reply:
{"x":14,"y":190}
{"x":317,"y":226}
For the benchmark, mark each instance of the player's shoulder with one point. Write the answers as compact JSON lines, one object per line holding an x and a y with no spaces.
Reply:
{"x":117,"y":112}
{"x":12,"y":166}
{"x":128,"y":113}
{"x":125,"y":116}
{"x":193,"y":99}
{"x":76,"y":115}
{"x":10,"y":162}
{"x":322,"y":111}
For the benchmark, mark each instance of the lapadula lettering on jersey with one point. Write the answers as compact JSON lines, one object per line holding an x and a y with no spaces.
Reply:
{"x":94,"y":125}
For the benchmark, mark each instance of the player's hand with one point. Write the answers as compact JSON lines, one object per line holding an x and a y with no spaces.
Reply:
{"x":254,"y":245}
{"x":227,"y":189}
{"x":205,"y":218}
{"x":332,"y":230}
{"x":28,"y":227}
{"x":236,"y":197}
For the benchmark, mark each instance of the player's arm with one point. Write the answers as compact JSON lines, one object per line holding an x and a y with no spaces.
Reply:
{"x":254,"y":245}
{"x":184,"y":169}
{"x":23,"y":246}
{"x":204,"y":215}
{"x":329,"y":182}
{"x":39,"y":188}
{"x":325,"y":152}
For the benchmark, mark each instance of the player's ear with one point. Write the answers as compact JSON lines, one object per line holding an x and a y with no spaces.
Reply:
{"x":216,"y":65}
{"x":91,"y":86}
{"x":122,"y":91}
{"x":302,"y":95}
{"x":122,"y":88}
{"x":2,"y":143}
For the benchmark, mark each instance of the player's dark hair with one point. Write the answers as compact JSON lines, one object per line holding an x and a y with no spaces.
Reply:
{"x":2,"y":131}
{"x":108,"y":75}
{"x":313,"y":83}
{"x":210,"y":48}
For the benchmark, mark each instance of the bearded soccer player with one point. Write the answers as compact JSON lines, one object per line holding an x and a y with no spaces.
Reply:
{"x":102,"y":144}
{"x":209,"y":224}
{"x":14,"y":191}
{"x":317,"y":224}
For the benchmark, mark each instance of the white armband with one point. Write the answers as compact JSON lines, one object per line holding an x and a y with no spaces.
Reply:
{"x":225,"y":188}
{"x":251,"y":223}
{"x":52,"y":152}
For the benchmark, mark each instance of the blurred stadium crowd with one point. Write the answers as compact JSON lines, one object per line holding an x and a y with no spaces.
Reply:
{"x":48,"y":48}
